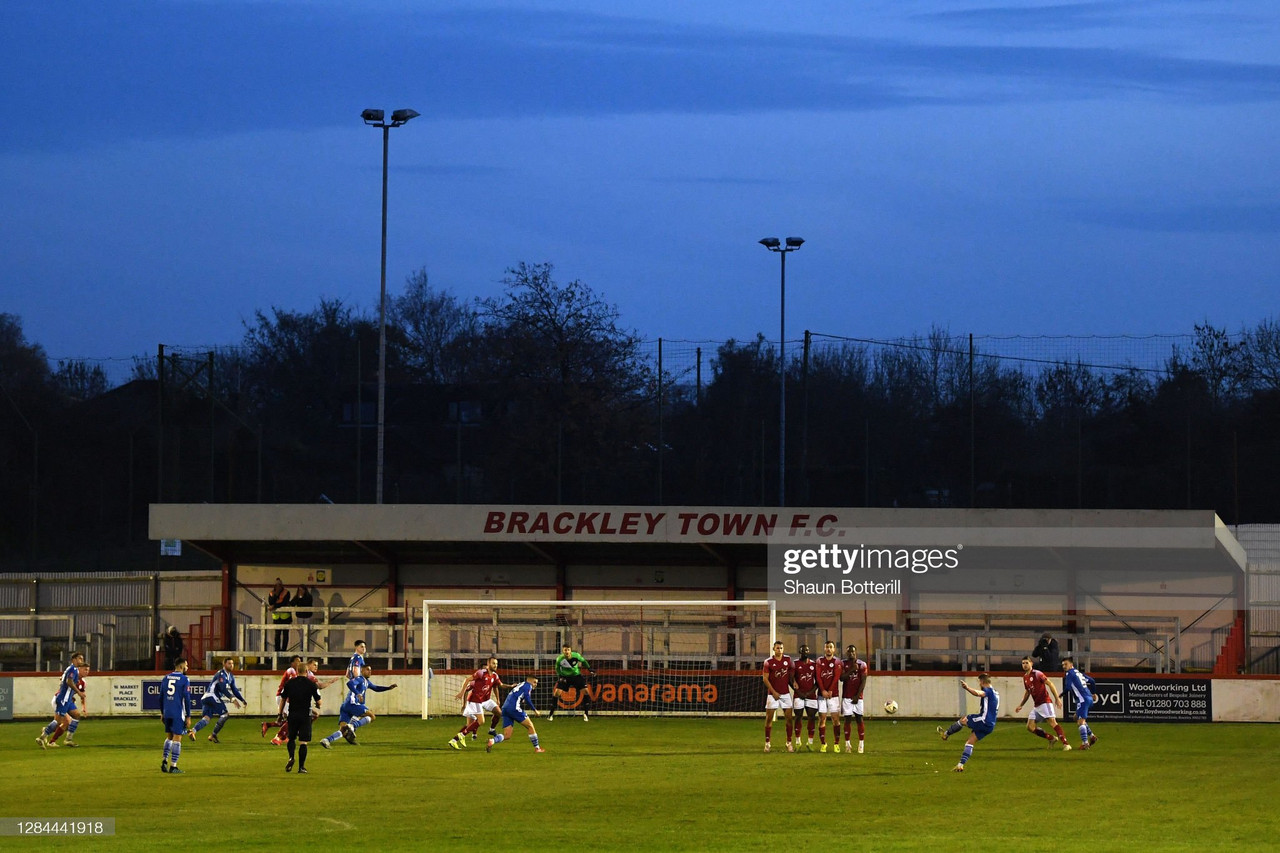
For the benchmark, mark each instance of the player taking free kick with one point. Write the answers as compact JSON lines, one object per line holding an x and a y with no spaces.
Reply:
{"x":980,"y":724}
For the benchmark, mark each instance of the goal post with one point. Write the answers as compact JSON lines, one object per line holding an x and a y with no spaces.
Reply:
{"x":650,"y":658}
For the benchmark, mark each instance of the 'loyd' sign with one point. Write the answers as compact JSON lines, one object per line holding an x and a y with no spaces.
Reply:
{"x":1169,"y":700}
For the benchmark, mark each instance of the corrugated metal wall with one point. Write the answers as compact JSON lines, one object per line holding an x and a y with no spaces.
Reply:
{"x":1262,"y":542}
{"x":116,"y":616}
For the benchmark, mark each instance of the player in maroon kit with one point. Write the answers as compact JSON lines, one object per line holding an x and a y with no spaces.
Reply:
{"x":1038,"y":687}
{"x":830,"y":668}
{"x":479,"y":699}
{"x":805,"y":703}
{"x":854,"y":682}
{"x":777,"y":674}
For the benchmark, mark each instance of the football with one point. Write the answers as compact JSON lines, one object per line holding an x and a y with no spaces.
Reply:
{"x":891,"y":707}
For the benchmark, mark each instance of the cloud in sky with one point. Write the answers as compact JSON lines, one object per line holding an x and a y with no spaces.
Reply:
{"x":143,"y":69}
{"x":170,"y":167}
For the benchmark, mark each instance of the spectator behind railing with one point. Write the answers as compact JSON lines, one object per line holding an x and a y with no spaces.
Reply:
{"x":172,"y":642}
{"x":1047,"y":655}
{"x":278,"y":598}
{"x":302,"y":598}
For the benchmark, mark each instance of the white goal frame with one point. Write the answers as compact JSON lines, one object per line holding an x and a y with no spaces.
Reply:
{"x":655,"y":604}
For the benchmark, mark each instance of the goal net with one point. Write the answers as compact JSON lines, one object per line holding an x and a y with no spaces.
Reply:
{"x":646,"y":657}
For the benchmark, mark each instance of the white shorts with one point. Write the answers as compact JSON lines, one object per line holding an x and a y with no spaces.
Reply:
{"x":782,"y":703}
{"x":801,"y":704}
{"x":829,"y":706}
{"x":477,"y":709}
{"x":1042,"y":712}
{"x":851,"y":707}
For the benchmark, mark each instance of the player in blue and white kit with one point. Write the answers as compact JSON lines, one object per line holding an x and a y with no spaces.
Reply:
{"x":214,"y":704}
{"x":354,"y":713}
{"x":1081,"y":686}
{"x":175,"y":694}
{"x":65,"y":714}
{"x":355,"y":667}
{"x":513,"y":712}
{"x":980,"y":724}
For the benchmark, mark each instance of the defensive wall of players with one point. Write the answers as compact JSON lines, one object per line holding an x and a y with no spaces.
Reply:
{"x":1121,"y":697}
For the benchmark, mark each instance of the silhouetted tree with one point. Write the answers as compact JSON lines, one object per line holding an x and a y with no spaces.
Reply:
{"x":566,"y":387}
{"x":436,"y":330}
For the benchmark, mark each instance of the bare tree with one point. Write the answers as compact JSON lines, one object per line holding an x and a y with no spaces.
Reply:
{"x":1264,"y":355}
{"x":436,"y":327}
{"x":76,"y":379}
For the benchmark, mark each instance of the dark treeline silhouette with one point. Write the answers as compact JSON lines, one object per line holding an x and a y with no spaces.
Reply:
{"x":539,"y":394}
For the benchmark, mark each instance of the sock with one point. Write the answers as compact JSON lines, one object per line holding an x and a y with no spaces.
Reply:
{"x":71,"y":729}
{"x":492,"y":731}
{"x":175,"y":750}
{"x":167,"y":744}
{"x":822,"y":733}
{"x":768,"y":732}
{"x":967,"y":754}
{"x":498,"y":738}
{"x":1039,"y":732}
{"x":848,"y":728}
{"x":51,"y":728}
{"x":302,"y":757}
{"x":953,"y":728}
{"x":811,"y":729}
{"x":57,"y":733}
{"x":204,"y":721}
{"x":862,"y":730}
{"x":222,"y":721}
{"x":1058,"y":730}
{"x":533,"y":739}
{"x":790,"y":730}
{"x":1084,"y":733}
{"x":363,"y":721}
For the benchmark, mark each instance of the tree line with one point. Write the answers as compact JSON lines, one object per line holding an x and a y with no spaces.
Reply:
{"x":541,"y":394}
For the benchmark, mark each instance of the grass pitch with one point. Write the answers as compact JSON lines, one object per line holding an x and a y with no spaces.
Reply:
{"x":646,"y":784}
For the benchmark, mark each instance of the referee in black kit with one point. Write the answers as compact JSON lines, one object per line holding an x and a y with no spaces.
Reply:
{"x":299,"y":692}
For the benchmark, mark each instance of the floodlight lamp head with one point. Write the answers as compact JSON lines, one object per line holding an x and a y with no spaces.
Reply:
{"x":399,"y":117}
{"x":372,"y":116}
{"x":771,"y":243}
{"x":795,"y":242}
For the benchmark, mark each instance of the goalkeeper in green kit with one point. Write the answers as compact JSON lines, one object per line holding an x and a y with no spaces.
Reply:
{"x":569,"y":667}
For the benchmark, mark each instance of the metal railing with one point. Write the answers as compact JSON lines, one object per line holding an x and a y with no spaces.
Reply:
{"x":1158,"y":647}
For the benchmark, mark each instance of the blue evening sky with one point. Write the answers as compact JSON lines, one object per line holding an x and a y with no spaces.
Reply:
{"x":167,"y":167}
